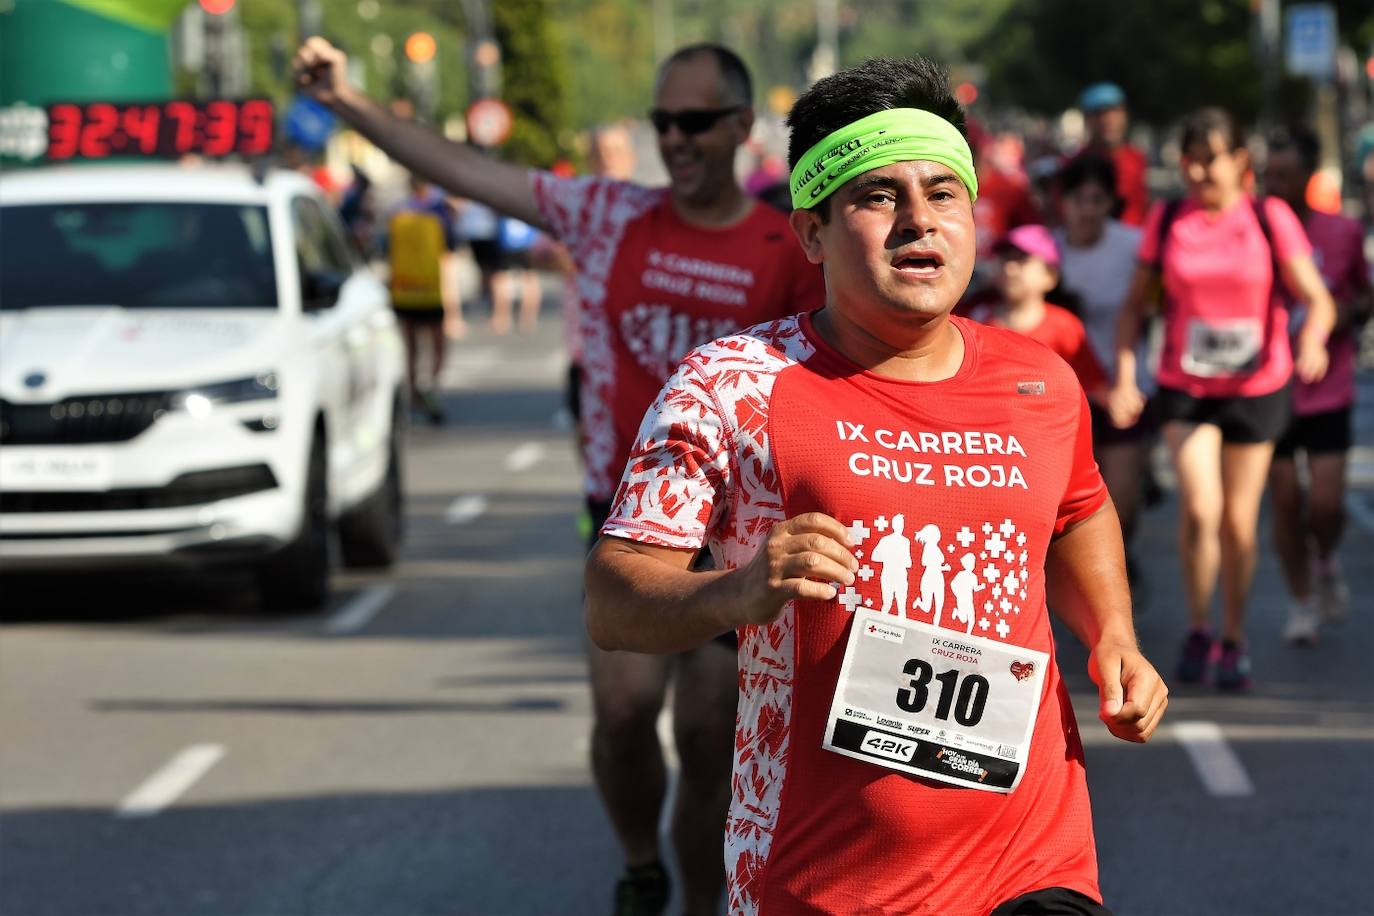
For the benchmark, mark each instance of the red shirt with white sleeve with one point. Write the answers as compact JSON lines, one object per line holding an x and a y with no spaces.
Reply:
{"x":990,"y":465}
{"x":1225,"y":324}
{"x":651,"y":287}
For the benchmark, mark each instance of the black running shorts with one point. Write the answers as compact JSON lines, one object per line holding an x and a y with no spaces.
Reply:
{"x":1317,"y":434}
{"x":1243,"y":421}
{"x":1052,"y":901}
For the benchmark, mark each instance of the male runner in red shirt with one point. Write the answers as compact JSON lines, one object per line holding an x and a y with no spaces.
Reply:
{"x":921,"y":758}
{"x":1105,"y":116}
{"x":660,"y":270}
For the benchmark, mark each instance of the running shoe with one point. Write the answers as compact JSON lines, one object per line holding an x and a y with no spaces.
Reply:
{"x":433,"y":409}
{"x":1333,"y":595}
{"x":1197,"y":652}
{"x":1301,"y":628}
{"x":642,"y":891}
{"x":1233,"y":666}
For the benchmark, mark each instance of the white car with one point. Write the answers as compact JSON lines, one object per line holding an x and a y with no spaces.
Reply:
{"x":194,"y":367}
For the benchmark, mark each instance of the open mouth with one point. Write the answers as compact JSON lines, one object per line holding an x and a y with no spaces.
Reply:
{"x":919,"y":263}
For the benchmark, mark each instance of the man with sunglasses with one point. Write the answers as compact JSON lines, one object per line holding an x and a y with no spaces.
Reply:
{"x":660,"y":271}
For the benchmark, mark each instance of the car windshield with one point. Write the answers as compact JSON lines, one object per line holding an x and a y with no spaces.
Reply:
{"x":136,"y":255}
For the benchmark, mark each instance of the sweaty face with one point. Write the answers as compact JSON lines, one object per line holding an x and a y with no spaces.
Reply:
{"x":899,"y":244}
{"x":1086,"y":209}
{"x":1285,"y":178}
{"x":1214,"y":172}
{"x":700,"y":166}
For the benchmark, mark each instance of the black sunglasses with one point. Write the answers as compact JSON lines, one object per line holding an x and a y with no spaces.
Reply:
{"x":690,"y":121}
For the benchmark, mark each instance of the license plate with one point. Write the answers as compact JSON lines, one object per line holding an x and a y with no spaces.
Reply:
{"x":54,"y":469}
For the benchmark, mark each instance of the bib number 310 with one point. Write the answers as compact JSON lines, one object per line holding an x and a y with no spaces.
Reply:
{"x":967,"y":700}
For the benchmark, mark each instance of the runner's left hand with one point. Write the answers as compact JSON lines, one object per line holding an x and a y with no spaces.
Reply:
{"x":1133,"y":696}
{"x":1312,"y":358}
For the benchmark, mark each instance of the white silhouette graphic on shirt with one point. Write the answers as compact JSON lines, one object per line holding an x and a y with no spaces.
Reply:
{"x":933,"y":579}
{"x":893,"y":551}
{"x":963,"y":585}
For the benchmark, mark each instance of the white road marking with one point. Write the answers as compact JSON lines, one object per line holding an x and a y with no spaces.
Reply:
{"x":465,"y":509}
{"x":1357,"y":510}
{"x":524,"y":457}
{"x":1218,"y":767}
{"x":358,"y":612}
{"x":169,"y":783}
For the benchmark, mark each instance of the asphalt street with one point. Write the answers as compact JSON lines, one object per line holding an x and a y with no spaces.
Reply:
{"x":419,"y":747}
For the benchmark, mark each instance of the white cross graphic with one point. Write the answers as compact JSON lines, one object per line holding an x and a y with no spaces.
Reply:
{"x":1023,"y":557}
{"x":1021,"y":539}
{"x":857,"y":532}
{"x":865,"y":572}
{"x":950,"y":548}
{"x":850,"y":599}
{"x":987,"y":606}
{"x":868,"y":602}
{"x":1022,"y":593}
{"x":964,"y":537}
{"x":997,"y":591}
{"x":1010,"y":582}
{"x":990,"y":572}
{"x":881,"y":523}
{"x":1005,"y":605}
{"x":858,"y":554}
{"x":1007,"y":528}
{"x":995,"y":545}
{"x":1003,"y":629}
{"x":984,"y":624}
{"x":987,"y":527}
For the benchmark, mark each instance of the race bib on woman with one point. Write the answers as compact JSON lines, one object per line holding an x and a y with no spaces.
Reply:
{"x":1217,"y":348}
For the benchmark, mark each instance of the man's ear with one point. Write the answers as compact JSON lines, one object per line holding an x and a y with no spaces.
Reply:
{"x":746,"y":123}
{"x":806,"y":226}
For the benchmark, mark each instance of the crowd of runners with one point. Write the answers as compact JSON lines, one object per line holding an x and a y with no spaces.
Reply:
{"x":836,"y":494}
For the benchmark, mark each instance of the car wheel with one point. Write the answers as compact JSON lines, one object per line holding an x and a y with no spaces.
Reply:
{"x":297,"y":576}
{"x":370,"y":534}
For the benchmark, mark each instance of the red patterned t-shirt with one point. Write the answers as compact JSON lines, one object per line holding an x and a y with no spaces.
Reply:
{"x":986,"y":467}
{"x":651,"y":288}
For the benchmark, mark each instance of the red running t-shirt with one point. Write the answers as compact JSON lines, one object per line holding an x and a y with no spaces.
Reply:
{"x":651,"y":288}
{"x":991,"y":463}
{"x":1062,"y":332}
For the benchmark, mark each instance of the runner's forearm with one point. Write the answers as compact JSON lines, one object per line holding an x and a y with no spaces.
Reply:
{"x":1085,"y":580}
{"x":640,"y":603}
{"x":455,"y":167}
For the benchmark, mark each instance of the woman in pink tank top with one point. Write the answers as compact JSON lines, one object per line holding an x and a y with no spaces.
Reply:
{"x":1224,"y":370}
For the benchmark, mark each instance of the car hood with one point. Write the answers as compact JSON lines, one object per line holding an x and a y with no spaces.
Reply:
{"x":50,"y":353}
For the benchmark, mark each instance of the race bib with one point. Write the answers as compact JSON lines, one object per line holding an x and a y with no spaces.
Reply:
{"x":1222,"y":348}
{"x":936,"y":703}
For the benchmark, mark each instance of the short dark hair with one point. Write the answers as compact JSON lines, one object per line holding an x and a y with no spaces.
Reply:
{"x":1204,"y":122}
{"x":877,"y":84}
{"x":1301,"y":141}
{"x":733,"y":71}
{"x":1087,"y":168}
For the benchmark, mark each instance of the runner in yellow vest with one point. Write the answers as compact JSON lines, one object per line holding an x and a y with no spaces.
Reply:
{"x":420,"y":234}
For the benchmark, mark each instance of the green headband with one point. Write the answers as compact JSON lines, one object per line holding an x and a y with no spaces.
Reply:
{"x":882,"y":138}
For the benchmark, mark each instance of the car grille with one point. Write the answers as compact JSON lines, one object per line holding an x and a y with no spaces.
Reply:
{"x":78,"y":420}
{"x":191,"y":489}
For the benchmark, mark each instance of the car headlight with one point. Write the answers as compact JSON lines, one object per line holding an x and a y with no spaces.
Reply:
{"x":200,"y":400}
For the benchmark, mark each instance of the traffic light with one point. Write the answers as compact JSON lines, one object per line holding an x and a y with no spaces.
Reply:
{"x":420,"y":47}
{"x":217,"y":7}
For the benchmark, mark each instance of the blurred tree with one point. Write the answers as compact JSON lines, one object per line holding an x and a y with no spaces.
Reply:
{"x":1169,"y":56}
{"x":534,"y":81}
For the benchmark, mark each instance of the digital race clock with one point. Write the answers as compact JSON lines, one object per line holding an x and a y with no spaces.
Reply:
{"x":99,"y":130}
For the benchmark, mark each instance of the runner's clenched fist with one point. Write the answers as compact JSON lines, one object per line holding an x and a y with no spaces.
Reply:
{"x":800,"y":558}
{"x":321,"y":70}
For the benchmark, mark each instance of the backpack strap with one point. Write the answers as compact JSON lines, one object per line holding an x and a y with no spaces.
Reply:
{"x":1166,"y":222}
{"x":1262,"y":217}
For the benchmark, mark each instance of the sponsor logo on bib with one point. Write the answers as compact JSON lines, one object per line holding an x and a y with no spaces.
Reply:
{"x":1022,"y":670}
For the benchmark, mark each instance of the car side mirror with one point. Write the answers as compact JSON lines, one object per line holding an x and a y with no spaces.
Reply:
{"x":320,"y":288}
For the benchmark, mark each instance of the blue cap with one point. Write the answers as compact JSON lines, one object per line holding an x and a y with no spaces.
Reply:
{"x":1101,"y":95}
